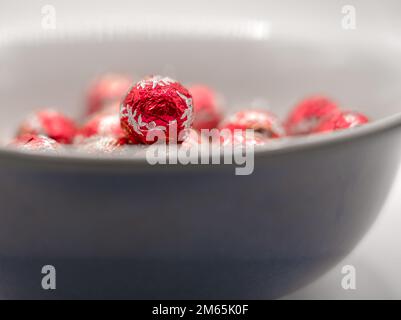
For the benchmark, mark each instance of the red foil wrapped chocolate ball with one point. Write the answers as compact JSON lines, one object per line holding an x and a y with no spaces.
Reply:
{"x":264,"y":123}
{"x":343,"y":120}
{"x":153,"y":106}
{"x":207,"y":107}
{"x":307,"y":115}
{"x":106,"y":90}
{"x":36,"y":143}
{"x":50,"y":123}
{"x":103,"y":125}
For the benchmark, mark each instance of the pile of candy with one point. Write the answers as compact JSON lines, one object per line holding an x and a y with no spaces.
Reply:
{"x":119,"y":114}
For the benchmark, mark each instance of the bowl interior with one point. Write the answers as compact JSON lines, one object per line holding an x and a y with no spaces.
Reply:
{"x":266,"y":73}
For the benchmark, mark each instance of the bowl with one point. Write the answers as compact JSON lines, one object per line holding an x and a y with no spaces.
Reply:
{"x":122,"y":228}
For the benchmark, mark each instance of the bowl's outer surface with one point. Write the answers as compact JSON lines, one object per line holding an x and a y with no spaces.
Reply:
{"x":197,"y":232}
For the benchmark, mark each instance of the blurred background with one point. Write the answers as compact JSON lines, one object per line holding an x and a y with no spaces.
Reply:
{"x":377,"y":260}
{"x":312,"y":17}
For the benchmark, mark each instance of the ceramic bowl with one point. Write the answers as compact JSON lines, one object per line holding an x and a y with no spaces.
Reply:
{"x":121,"y":228}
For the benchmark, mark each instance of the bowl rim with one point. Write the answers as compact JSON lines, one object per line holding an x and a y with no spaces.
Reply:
{"x":296,"y":144}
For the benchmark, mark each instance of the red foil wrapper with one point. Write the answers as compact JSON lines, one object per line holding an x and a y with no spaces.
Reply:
{"x":35,"y":143}
{"x":103,"y":125}
{"x":307,"y":115}
{"x":154,"y":105}
{"x":264,"y":123}
{"x":107,"y":90}
{"x":50,"y":123}
{"x":207,"y":109}
{"x":343,"y":120}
